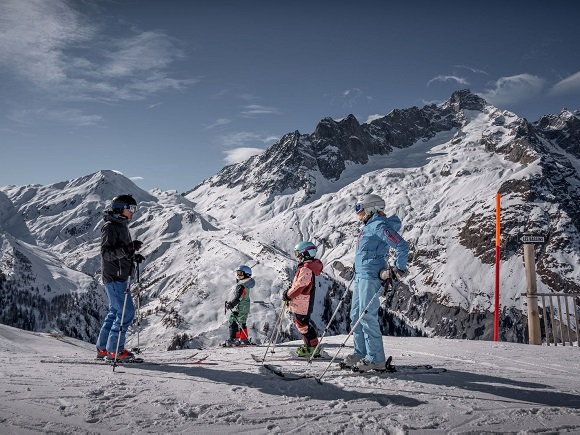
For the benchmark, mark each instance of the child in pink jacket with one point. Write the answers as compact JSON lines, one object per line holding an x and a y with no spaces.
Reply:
{"x":300,"y":296}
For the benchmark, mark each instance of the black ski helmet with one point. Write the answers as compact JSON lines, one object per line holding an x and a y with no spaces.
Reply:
{"x":123,"y":201}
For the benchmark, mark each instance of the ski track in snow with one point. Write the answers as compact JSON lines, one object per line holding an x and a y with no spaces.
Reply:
{"x":501,"y":387}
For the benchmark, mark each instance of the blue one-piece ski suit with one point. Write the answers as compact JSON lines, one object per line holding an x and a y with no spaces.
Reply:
{"x":376,"y":237}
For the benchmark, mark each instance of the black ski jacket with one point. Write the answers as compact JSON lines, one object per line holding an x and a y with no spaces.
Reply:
{"x":116,"y":261}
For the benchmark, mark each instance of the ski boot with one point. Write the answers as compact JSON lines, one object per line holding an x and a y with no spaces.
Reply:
{"x":231,"y":342}
{"x":349,"y":362}
{"x":307,"y":351}
{"x":365,"y":365}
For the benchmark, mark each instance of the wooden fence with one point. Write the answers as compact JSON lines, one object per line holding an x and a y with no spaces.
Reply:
{"x":559,"y":323}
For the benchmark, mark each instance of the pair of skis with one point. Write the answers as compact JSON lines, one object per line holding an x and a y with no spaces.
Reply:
{"x":289,"y":375}
{"x":191,"y":360}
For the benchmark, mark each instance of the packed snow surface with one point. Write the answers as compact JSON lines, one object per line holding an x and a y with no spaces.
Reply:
{"x":487,"y":387}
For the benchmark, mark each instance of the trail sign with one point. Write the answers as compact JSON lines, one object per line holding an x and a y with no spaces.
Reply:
{"x":532,"y":238}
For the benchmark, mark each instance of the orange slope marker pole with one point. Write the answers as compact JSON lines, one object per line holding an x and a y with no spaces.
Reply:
{"x":497,"y":252}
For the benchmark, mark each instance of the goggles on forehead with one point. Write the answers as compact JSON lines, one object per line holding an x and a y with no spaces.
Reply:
{"x":358,"y":207}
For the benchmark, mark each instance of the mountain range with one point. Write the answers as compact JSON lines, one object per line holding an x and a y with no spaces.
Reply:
{"x":438,"y":168}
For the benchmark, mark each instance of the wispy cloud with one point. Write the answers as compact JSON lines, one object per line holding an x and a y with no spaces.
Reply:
{"x":218,"y":123}
{"x":371,"y":118}
{"x":513,"y":89}
{"x":568,"y":85}
{"x":69,"y":56}
{"x":255,"y":109}
{"x":238,"y":155}
{"x":441,"y":78}
{"x":243,"y":138}
{"x":67,"y":117}
{"x":470,"y":68}
{"x":350,"y":97}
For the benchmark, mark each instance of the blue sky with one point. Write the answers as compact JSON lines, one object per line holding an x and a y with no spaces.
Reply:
{"x":168,"y":92}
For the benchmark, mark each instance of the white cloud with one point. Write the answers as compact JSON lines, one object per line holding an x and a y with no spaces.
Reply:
{"x":255,"y":109}
{"x":371,"y":118}
{"x":442,"y":78}
{"x":67,"y":117}
{"x":68,"y":55}
{"x":469,"y":68}
{"x":238,"y":155}
{"x":239,"y":138}
{"x":242,"y":138}
{"x":218,"y":122}
{"x":569,"y":84}
{"x":351,"y":96}
{"x":513,"y":89}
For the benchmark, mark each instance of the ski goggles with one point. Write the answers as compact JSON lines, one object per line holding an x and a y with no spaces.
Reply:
{"x":132,"y":208}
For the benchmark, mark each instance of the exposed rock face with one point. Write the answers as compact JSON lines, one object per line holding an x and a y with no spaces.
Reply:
{"x":57,"y":227}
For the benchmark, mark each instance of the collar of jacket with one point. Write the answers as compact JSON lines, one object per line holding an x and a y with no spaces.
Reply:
{"x":108,"y":215}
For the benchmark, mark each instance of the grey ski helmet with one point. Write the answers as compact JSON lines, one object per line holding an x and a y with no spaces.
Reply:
{"x":371,"y":203}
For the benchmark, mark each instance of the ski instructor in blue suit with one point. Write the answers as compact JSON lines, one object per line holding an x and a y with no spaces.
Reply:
{"x":377,"y":236}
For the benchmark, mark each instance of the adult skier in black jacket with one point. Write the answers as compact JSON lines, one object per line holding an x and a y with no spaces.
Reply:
{"x":117,"y":260}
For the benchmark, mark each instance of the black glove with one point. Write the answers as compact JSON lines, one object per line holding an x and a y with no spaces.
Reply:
{"x":136,"y":245}
{"x":229,"y":305}
{"x":285,"y":296}
{"x":138,"y":258}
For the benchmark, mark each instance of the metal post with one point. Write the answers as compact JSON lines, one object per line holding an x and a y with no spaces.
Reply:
{"x":532,"y":295}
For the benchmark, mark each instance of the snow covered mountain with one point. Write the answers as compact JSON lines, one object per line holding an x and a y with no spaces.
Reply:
{"x":438,"y":168}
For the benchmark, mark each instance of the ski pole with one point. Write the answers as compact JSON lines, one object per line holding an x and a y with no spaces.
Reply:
{"x":279,"y":328}
{"x":239,"y":324}
{"x":330,"y":321}
{"x":274,"y":332}
{"x":121,"y":325}
{"x":138,"y":350}
{"x":365,"y":311}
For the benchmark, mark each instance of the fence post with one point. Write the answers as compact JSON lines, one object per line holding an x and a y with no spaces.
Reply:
{"x":532,"y":294}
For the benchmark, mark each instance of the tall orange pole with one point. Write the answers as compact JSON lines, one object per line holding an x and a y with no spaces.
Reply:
{"x":497,"y":252}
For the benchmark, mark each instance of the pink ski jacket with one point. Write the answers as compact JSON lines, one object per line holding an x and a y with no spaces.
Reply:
{"x":303,"y":287}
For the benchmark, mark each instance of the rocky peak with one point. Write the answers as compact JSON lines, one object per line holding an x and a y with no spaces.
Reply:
{"x":465,"y":100}
{"x":562,"y":129}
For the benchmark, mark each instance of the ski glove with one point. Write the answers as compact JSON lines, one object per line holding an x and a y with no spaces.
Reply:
{"x":137,"y":244}
{"x":229,"y":305}
{"x":138,"y":258}
{"x":285,"y":296}
{"x":392,"y":273}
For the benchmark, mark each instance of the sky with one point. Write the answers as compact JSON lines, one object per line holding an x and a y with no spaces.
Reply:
{"x":167,"y":93}
{"x":474,"y":387}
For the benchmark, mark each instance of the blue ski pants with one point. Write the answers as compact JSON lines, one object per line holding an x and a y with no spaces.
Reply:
{"x":368,"y":340}
{"x":109,"y":334}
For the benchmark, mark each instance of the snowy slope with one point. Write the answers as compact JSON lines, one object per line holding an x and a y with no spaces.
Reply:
{"x":487,"y":388}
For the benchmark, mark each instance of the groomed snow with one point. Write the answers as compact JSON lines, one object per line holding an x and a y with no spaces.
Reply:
{"x":488,"y":387}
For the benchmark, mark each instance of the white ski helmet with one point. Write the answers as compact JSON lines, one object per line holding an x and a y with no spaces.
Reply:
{"x":371,"y":203}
